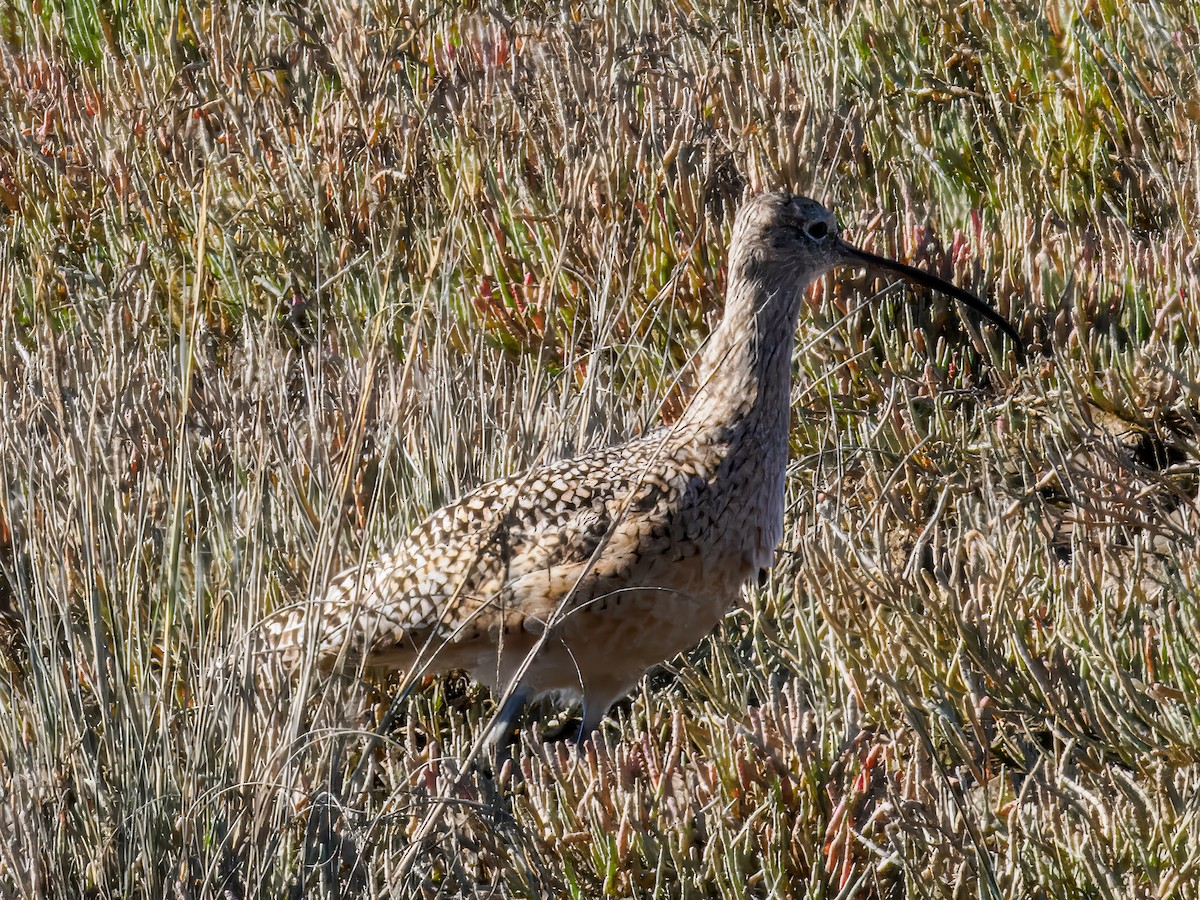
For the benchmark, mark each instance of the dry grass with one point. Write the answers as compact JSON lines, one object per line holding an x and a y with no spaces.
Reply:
{"x":275,"y":282}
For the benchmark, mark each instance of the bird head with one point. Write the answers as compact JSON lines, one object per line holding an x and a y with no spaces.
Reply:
{"x":798,"y":239}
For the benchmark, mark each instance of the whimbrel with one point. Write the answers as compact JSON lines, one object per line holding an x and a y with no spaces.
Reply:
{"x":577,"y":576}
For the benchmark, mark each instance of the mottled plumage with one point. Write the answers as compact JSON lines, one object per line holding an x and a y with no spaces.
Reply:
{"x":630,"y":553}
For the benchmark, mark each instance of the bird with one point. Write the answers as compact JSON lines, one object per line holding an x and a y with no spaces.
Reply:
{"x":575,"y":577}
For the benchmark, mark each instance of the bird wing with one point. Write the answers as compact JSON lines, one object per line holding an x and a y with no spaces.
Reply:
{"x":502,"y":556}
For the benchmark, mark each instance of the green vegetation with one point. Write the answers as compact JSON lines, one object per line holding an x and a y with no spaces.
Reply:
{"x":277,"y":281}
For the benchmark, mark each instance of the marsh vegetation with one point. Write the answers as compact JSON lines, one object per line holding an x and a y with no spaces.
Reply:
{"x":277,"y":280}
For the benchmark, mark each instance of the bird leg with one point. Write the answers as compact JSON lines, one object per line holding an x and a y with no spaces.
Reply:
{"x":594,"y":711}
{"x":587,"y":727}
{"x":502,"y":732}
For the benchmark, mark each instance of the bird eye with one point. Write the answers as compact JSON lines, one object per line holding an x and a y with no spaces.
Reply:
{"x":817,"y":230}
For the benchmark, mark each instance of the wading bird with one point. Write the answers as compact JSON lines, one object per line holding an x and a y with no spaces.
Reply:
{"x":577,"y":576}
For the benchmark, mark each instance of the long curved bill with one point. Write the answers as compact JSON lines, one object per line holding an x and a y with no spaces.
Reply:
{"x":853,"y":254}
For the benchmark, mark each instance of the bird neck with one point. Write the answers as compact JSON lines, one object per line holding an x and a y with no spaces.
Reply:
{"x":746,"y":368}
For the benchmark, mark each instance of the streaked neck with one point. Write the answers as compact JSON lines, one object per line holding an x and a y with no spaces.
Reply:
{"x":745,"y":370}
